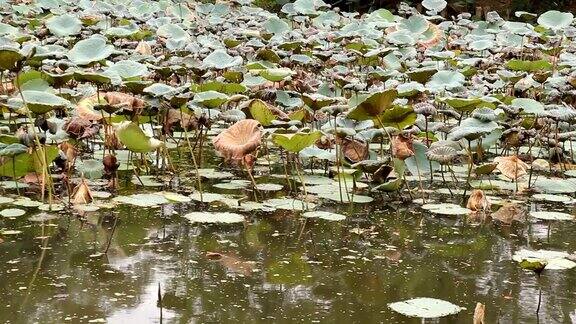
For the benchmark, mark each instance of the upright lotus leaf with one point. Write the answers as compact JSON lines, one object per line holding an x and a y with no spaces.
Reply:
{"x":276,"y":74}
{"x":13,"y":149}
{"x":32,"y":80}
{"x":529,"y":106}
{"x":397,"y":116}
{"x":462,"y":104}
{"x":64,"y":25}
{"x":24,"y":163}
{"x":41,"y":102}
{"x":471,"y":129}
{"x":529,"y":66}
{"x":211,"y":99}
{"x":128,"y":69}
{"x":372,"y":105}
{"x":425,"y":308}
{"x":419,"y":163}
{"x":446,"y":81}
{"x":555,"y":20}
{"x":90,"y":50}
{"x":296,"y":142}
{"x":220,"y":59}
{"x":239,"y":140}
{"x":434,"y":5}
{"x":260,"y":111}
{"x":9,"y":58}
{"x":317,"y":101}
{"x":134,"y":138}
{"x":159,"y":89}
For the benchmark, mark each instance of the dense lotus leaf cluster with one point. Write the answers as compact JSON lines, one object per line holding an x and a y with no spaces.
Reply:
{"x":321,"y":84}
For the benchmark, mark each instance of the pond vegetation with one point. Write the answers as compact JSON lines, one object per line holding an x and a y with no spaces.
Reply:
{"x":178,"y":161}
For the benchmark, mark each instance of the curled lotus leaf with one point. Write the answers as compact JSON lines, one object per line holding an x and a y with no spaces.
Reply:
{"x":239,"y":140}
{"x":134,"y":138}
{"x":511,"y":166}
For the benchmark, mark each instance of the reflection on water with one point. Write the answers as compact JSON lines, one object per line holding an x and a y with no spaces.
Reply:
{"x":274,"y":268}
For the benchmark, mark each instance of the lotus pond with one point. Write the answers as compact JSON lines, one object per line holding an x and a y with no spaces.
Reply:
{"x":177,"y":162}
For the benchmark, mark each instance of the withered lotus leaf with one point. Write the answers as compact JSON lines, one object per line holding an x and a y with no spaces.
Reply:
{"x":354,"y":150}
{"x":511,"y":166}
{"x":402,"y":147}
{"x":82,"y":193}
{"x":478,"y":201}
{"x":239,"y":140}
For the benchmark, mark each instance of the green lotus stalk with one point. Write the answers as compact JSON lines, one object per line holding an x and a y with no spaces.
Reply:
{"x":193,"y":160}
{"x":46,"y":176}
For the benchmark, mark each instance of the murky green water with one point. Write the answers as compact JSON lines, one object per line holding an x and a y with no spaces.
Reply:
{"x":274,"y":268}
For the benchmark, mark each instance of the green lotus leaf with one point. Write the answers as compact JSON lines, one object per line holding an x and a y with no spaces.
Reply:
{"x":64,"y":25}
{"x":220,"y":59}
{"x":276,"y":74}
{"x":13,"y":149}
{"x":397,"y":116}
{"x":159,"y":89}
{"x":446,"y":80}
{"x":134,"y":138}
{"x":91,"y":168}
{"x":90,"y":50}
{"x":419,"y":163}
{"x":471,"y":129}
{"x":26,"y":162}
{"x":95,"y":77}
{"x":317,"y":101}
{"x":529,"y":106}
{"x":41,"y":102}
{"x":372,"y":105}
{"x":223,"y":87}
{"x":296,"y":142}
{"x":415,"y":25}
{"x":276,"y":26}
{"x":434,"y":5}
{"x":9,"y":58}
{"x":555,"y":20}
{"x":259,"y":110}
{"x":128,"y":69}
{"x":529,"y":66}
{"x":211,"y":99}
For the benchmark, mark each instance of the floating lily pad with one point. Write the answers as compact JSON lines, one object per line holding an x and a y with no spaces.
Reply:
{"x":551,"y":260}
{"x":552,"y":215}
{"x":214,"y":174}
{"x":346,"y":198}
{"x":142,"y":200}
{"x":12,"y":212}
{"x":289,"y":204}
{"x":207,"y":217}
{"x":424,"y":307}
{"x":553,"y":198}
{"x":269,"y":187}
{"x":446,"y":209}
{"x":324,"y":215}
